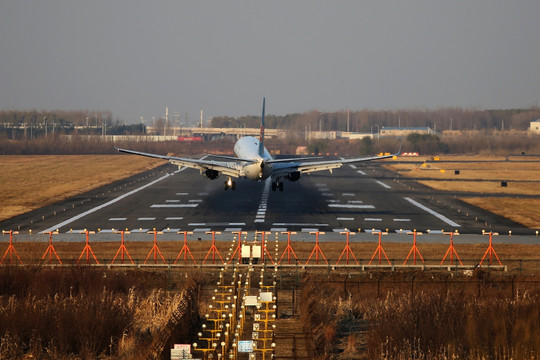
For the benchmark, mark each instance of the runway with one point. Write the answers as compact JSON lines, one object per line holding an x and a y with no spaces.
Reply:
{"x":361,"y":198}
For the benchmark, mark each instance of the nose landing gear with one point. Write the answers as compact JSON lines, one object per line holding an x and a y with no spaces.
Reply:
{"x":277,"y":185}
{"x":229,"y":184}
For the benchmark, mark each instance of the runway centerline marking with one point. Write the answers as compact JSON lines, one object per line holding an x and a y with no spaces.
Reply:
{"x":432,"y":212}
{"x":261,"y":212}
{"x":102,"y":206}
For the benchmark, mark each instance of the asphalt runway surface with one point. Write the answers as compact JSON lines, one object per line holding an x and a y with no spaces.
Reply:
{"x":363,"y":198}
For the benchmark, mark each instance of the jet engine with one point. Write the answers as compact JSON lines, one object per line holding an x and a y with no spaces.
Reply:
{"x":211,"y":174}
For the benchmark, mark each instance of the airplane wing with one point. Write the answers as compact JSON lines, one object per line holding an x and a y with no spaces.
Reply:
{"x":228,"y":168}
{"x":283,"y":168}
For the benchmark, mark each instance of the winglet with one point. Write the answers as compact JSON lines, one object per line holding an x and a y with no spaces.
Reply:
{"x":399,"y":151}
{"x":261,"y":138}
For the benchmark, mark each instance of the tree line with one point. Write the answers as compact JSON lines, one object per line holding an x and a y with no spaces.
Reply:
{"x":370,"y":121}
{"x":355,"y":121}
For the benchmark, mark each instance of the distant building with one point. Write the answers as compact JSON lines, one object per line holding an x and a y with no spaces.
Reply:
{"x":404,"y":131}
{"x":535,"y":126}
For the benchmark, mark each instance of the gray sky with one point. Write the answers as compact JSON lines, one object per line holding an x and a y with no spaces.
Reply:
{"x":137,"y":57}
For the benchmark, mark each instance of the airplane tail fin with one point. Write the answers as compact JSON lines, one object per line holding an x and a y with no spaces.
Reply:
{"x":261,"y":138}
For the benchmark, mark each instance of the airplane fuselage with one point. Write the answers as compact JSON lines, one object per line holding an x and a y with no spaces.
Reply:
{"x":248,"y":148}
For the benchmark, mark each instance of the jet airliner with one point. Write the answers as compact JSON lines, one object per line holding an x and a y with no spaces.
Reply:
{"x":254,"y":162}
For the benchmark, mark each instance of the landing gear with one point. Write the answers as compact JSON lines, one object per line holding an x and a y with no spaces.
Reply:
{"x":229,"y":184}
{"x":277,"y":185}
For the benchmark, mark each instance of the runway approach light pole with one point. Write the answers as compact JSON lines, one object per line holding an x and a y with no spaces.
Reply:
{"x":414,"y":249}
{"x":490,"y":249}
{"x":11,"y":249}
{"x":380,"y":249}
{"x":347,"y":249}
{"x":317,"y":249}
{"x":87,"y":248}
{"x":50,"y":250}
{"x":451,"y":250}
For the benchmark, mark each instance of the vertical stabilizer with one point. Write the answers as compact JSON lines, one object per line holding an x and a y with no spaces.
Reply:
{"x":261,"y":138}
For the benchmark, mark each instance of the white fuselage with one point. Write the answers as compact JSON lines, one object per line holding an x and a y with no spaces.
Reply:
{"x":248,"y":148}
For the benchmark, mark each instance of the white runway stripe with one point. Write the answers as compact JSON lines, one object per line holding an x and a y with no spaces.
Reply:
{"x":115,"y":200}
{"x":174,"y":205}
{"x":383,"y":184}
{"x":351,"y":206}
{"x":261,"y":212}
{"x":298,"y":224}
{"x":434,"y":213}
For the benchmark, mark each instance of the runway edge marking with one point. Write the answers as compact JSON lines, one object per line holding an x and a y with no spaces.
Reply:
{"x":432,"y":212}
{"x":97,"y":208}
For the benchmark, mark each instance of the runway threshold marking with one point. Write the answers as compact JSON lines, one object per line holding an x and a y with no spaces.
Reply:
{"x":102,"y":206}
{"x":432,"y":212}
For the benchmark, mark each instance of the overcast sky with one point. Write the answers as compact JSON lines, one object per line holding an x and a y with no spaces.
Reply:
{"x":134,"y":58}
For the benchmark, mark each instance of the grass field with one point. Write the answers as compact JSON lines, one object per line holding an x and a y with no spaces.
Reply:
{"x":32,"y":181}
{"x":483,"y":175}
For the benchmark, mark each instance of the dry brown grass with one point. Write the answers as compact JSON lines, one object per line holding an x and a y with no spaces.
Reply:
{"x":28,"y":182}
{"x":83,"y":312}
{"x":523,"y":211}
{"x":483,"y":174}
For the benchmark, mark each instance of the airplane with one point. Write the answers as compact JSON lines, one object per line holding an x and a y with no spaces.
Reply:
{"x":254,"y":162}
